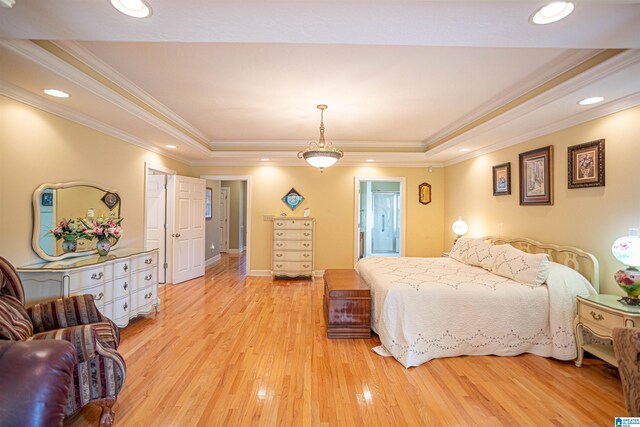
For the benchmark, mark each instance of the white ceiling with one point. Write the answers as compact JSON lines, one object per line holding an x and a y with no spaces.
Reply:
{"x":216,"y":77}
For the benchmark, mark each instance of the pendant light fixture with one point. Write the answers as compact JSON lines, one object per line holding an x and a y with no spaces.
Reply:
{"x":321,"y":154}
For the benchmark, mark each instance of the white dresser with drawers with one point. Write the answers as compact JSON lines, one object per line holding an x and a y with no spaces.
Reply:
{"x":293,"y":247}
{"x":124,"y":283}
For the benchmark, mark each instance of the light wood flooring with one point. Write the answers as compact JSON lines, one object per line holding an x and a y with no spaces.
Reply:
{"x":233,"y":352}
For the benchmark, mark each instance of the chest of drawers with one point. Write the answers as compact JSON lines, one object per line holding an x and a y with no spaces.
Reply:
{"x":293,"y":247}
{"x":124,"y":284}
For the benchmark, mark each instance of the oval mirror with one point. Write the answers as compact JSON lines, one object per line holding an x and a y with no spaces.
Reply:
{"x":54,"y":202}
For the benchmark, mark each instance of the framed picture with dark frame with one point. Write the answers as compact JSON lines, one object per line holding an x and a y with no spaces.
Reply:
{"x":502,"y":179}
{"x":586,"y":165}
{"x":207,"y":204}
{"x":536,"y":176}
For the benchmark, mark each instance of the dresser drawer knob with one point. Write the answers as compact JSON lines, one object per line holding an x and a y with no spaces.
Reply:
{"x":97,"y":276}
{"x":126,"y":267}
{"x":278,"y":255}
{"x":279,"y":224}
{"x":148,"y":261}
{"x":597,"y":317}
{"x":125,"y":306}
{"x":306,"y":224}
{"x":305,"y":265}
{"x":279,"y":245}
{"x":126,"y":285}
{"x":306,"y":255}
{"x":279,"y":265}
{"x":148,"y":277}
{"x":279,"y":234}
{"x":98,"y":297}
{"x":307,"y":234}
{"x":306,"y":245}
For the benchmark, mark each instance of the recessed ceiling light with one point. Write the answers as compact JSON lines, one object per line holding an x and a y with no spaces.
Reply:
{"x":133,"y":8}
{"x":57,"y":93}
{"x":265,"y":160}
{"x":464,"y":150}
{"x":592,"y":100}
{"x":170,"y":146}
{"x":369,"y":160}
{"x":552,"y":12}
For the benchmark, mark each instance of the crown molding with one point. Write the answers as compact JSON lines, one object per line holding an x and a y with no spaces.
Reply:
{"x":594,"y":113}
{"x":107,"y":71}
{"x":42,"y":57}
{"x":36,"y":101}
{"x":598,"y":72}
{"x":534,"y":80}
{"x":299,"y":143}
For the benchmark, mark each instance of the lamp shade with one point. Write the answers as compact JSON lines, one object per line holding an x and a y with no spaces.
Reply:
{"x":321,"y":159}
{"x":460,"y":227}
{"x":627,"y":249}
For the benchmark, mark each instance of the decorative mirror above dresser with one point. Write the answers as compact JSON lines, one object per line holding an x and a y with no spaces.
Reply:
{"x":55,"y":202}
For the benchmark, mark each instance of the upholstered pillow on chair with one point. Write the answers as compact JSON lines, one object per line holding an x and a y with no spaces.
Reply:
{"x":15,"y":324}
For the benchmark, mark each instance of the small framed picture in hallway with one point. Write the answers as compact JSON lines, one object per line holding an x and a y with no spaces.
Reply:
{"x":207,"y":204}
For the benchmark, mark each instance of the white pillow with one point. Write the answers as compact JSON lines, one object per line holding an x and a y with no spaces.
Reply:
{"x":477,"y":251}
{"x":492,"y":252}
{"x":460,"y":251}
{"x":529,"y":269}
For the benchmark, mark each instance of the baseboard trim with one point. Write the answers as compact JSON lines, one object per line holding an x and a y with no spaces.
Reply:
{"x":260,"y":273}
{"x":235,"y":251}
{"x":211,"y":260}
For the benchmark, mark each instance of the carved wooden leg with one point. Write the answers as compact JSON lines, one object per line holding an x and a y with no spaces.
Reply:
{"x":579,"y":342}
{"x":107,"y":416}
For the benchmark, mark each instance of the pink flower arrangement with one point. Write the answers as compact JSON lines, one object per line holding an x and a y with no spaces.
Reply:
{"x":71,"y":230}
{"x":104,"y":228}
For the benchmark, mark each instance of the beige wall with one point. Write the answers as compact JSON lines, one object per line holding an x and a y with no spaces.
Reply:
{"x":588,"y":218}
{"x":37,"y":147}
{"x":212,"y":226}
{"x":330,"y":196}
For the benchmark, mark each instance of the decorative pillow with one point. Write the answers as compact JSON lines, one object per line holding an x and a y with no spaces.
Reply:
{"x":15,"y":324}
{"x":529,"y":269}
{"x":460,"y":250}
{"x":488,"y":256}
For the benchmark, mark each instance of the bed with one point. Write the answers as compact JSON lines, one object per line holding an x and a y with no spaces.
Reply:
{"x":426,"y":308}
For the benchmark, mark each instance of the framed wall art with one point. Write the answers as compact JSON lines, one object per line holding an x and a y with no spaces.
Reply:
{"x":207,"y":203}
{"x":424,"y":193}
{"x":586,"y":165}
{"x":292,"y":199}
{"x":502,"y":179}
{"x":536,"y":176}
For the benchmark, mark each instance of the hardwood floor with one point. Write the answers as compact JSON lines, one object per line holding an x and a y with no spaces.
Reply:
{"x":236,"y":352}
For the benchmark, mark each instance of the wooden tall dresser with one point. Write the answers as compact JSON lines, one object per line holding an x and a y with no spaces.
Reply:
{"x":293,"y":247}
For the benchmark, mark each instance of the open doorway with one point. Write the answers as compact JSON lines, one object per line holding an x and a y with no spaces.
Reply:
{"x":380,"y":217}
{"x":229,"y":229}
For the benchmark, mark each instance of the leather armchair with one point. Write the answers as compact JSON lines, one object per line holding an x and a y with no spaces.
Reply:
{"x":99,"y":374}
{"x":36,"y":378}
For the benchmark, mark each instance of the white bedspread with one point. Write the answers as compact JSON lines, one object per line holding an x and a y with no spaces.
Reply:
{"x":426,"y":308}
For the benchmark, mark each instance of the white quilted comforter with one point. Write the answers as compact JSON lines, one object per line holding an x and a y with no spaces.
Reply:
{"x":426,"y":308}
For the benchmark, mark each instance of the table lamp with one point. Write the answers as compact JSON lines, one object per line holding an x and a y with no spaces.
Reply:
{"x":459,"y":228}
{"x":627,"y":250}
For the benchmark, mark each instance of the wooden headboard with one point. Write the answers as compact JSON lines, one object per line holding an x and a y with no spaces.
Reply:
{"x":577,"y":259}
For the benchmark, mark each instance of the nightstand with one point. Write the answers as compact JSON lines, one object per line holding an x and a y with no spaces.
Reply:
{"x":600,"y":314}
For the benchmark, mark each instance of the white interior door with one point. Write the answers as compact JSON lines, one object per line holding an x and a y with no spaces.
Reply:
{"x":188,"y":229}
{"x":156,"y":207}
{"x":224,"y":218}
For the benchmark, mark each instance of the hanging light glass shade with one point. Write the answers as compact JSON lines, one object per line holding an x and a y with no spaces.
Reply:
{"x":321,"y":154}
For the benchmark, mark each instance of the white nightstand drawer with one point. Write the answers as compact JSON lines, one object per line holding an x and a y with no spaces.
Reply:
{"x":88,"y":278}
{"x":291,"y":266}
{"x":598,"y":317}
{"x":292,"y":224}
{"x":292,"y":234}
{"x":292,"y":245}
{"x":292,"y":256}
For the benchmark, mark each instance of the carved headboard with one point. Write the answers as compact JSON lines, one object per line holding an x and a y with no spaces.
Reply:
{"x":577,"y":259}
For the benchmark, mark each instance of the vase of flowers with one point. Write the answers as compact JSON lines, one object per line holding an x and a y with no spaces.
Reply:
{"x":69,"y":231}
{"x":106,"y":230}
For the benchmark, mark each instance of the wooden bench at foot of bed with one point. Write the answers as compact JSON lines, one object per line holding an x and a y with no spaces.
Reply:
{"x":347,"y":304}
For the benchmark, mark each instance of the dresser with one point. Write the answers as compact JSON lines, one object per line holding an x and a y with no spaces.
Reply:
{"x":600,"y":314}
{"x":293,"y":247}
{"x":124,"y":283}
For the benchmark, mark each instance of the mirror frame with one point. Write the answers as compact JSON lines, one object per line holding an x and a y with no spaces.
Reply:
{"x":36,"y":218}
